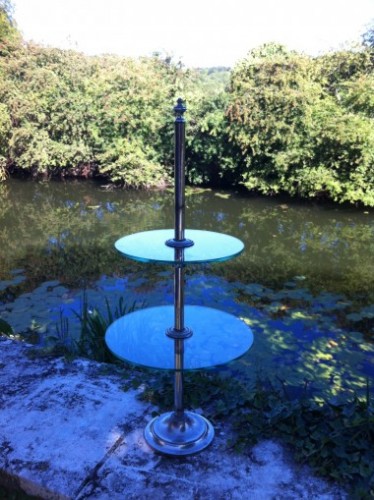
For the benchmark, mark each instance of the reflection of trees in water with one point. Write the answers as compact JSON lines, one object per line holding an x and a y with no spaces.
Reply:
{"x":69,"y":234}
{"x":331,"y":254}
{"x":67,"y":230}
{"x":330,"y":247}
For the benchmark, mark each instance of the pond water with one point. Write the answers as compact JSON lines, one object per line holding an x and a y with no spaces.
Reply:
{"x":305,"y":282}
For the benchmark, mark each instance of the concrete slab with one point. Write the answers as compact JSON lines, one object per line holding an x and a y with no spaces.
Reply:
{"x":70,"y":431}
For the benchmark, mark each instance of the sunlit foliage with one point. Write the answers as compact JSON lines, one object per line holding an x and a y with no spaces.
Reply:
{"x":72,"y":114}
{"x":304,"y":125}
{"x":279,"y":122}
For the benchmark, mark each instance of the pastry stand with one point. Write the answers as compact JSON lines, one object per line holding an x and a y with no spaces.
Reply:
{"x":211,"y":337}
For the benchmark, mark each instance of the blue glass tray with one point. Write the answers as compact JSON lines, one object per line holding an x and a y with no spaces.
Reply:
{"x":139,"y":337}
{"x":149,"y":246}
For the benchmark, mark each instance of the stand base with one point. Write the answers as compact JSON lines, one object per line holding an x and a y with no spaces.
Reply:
{"x":172,"y":434}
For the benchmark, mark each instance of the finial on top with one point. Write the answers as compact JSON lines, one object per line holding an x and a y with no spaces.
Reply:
{"x":179,"y":109}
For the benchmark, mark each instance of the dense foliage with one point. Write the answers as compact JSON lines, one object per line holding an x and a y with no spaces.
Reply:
{"x":280,"y":122}
{"x":305,"y":126}
{"x":64,"y":112}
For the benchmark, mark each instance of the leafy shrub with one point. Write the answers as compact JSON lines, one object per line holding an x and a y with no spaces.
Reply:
{"x":126,"y":163}
{"x":106,"y":113}
{"x":303,"y":128}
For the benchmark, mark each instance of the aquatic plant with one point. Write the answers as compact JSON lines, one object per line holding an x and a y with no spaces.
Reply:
{"x":93,"y":325}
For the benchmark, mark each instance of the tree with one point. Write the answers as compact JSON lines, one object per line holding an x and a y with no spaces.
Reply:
{"x":6,"y":6}
{"x":9,"y":35}
{"x":271,"y":95}
{"x":368,"y":36}
{"x":302,"y":124}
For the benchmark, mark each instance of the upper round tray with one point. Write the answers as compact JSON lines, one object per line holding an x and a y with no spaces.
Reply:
{"x":149,"y":246}
{"x":218,"y":337}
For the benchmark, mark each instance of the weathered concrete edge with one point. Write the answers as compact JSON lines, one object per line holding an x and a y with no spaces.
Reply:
{"x":18,"y":484}
{"x":41,"y":369}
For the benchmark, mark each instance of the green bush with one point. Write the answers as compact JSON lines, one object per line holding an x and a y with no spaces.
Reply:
{"x":210,"y":157}
{"x":127,"y":163}
{"x":109,"y":114}
{"x":303,"y":128}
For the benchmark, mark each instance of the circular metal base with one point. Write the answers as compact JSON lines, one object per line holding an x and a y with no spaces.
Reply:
{"x":173,"y":434}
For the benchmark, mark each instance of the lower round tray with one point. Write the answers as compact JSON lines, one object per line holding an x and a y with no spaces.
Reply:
{"x":139,"y":337}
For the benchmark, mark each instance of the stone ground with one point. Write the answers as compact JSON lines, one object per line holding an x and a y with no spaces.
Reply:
{"x":70,"y":431}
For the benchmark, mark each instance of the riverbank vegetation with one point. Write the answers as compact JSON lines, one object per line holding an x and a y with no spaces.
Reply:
{"x":278,"y":122}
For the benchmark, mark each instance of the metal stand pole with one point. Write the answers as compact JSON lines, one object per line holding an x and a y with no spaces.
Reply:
{"x":179,"y":333}
{"x":179,"y":240}
{"x":179,"y":432}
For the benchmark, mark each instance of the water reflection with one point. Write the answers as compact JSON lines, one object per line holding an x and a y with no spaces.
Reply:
{"x":331,"y":247}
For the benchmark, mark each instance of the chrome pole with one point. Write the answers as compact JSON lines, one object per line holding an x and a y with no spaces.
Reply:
{"x":179,"y":175}
{"x":178,"y":378}
{"x":179,"y":241}
{"x":179,"y":332}
{"x":179,"y":292}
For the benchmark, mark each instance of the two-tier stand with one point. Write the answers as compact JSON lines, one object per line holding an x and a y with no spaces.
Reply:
{"x":211,"y":337}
